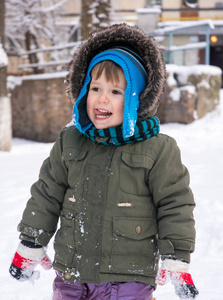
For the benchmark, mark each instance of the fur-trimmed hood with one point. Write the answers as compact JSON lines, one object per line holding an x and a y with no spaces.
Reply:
{"x":121,"y":35}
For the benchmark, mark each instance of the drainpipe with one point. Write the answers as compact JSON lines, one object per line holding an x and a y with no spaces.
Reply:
{"x":170,"y":45}
{"x":207,"y":48}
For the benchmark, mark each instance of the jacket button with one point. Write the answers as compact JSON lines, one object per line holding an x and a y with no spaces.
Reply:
{"x":67,"y":276}
{"x":138,"y":229}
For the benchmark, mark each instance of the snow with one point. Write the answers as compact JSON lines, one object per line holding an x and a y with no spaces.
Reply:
{"x":201,"y":145}
{"x":3,"y":57}
{"x":59,"y":47}
{"x":189,"y":88}
{"x":193,"y":5}
{"x":178,"y":24}
{"x":149,"y":10}
{"x":172,"y":26}
{"x":37,"y":17}
{"x":199,"y":45}
{"x":54,"y":6}
{"x":13,"y":81}
{"x":171,"y":81}
{"x":184,"y":72}
{"x":175,"y":94}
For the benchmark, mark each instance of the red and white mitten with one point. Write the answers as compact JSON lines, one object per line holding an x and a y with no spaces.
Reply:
{"x":26,"y":259}
{"x":176,"y":271}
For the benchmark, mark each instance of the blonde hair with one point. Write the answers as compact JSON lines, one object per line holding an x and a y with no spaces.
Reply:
{"x":111,"y":69}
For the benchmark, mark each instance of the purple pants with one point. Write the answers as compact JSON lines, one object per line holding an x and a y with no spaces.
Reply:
{"x":101,"y":291}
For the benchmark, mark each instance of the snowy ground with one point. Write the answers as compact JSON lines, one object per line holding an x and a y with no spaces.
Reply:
{"x":201,"y":144}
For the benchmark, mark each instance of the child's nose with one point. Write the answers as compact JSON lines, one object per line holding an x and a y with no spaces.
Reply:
{"x":103,"y":98}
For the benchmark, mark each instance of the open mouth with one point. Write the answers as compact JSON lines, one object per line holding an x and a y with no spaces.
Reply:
{"x":102,"y":113}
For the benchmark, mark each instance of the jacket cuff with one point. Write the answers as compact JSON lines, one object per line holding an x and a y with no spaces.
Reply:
{"x":182,"y":255}
{"x":175,"y":249}
{"x":37,"y":236}
{"x":29,"y":244}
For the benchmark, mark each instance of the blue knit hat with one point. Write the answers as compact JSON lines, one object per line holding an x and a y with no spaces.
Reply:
{"x":136,"y":77}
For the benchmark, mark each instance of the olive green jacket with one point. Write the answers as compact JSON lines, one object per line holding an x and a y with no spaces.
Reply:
{"x":119,"y":208}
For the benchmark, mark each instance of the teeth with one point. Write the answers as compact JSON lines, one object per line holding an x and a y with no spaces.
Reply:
{"x":104,"y":111}
{"x":102,"y":116}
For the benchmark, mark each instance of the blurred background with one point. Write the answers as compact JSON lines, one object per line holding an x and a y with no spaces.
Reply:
{"x":39,"y":37}
{"x":37,"y":41}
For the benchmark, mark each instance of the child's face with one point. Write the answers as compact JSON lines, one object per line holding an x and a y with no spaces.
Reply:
{"x":105,"y":101}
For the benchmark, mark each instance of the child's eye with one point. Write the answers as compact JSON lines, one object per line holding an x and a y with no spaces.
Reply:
{"x":95,"y":89}
{"x":116,"y":92}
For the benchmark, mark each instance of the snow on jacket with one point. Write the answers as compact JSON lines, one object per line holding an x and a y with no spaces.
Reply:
{"x":117,"y":206}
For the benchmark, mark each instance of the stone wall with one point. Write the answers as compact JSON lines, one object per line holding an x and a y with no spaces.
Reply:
{"x":191,"y":92}
{"x":40,"y":107}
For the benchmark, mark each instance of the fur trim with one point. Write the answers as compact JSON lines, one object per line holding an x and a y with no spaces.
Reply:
{"x":121,"y":35}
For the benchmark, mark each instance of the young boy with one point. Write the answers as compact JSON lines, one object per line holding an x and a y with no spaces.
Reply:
{"x":117,"y":184}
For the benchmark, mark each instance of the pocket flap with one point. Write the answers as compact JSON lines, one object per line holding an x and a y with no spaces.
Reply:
{"x":137,"y":160}
{"x":74,"y":154}
{"x":135,"y":228}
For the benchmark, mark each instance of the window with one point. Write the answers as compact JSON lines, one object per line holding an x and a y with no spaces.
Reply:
{"x":191,"y":3}
{"x":153,"y":2}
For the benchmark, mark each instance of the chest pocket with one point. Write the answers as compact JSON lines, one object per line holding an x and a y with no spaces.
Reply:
{"x":134,"y":170}
{"x":74,"y":159}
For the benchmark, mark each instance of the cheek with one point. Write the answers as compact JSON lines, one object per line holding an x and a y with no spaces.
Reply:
{"x":88,"y":105}
{"x":120,"y":112}
{"x":120,"y":109}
